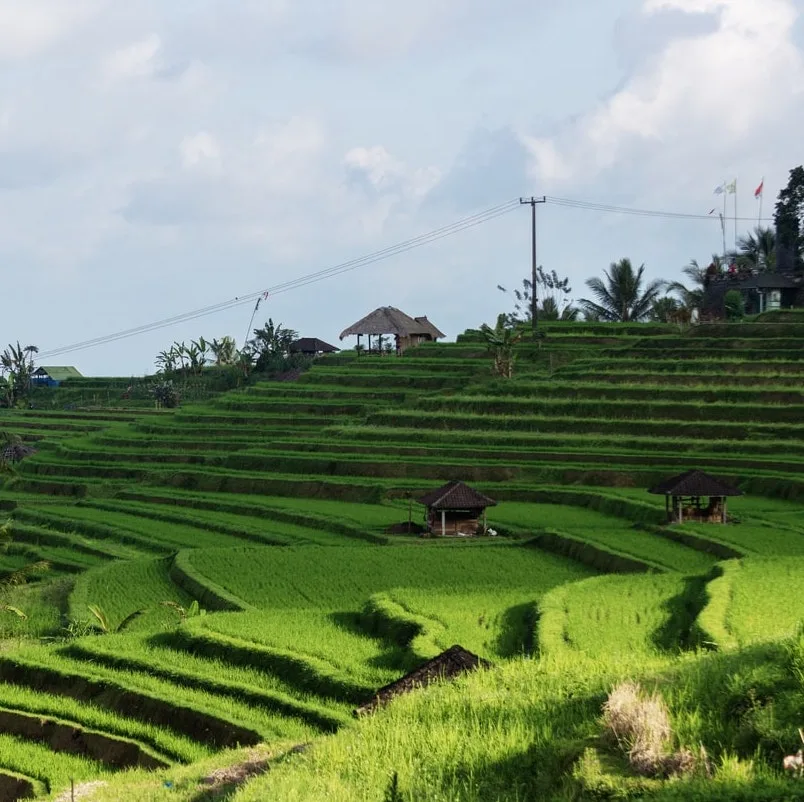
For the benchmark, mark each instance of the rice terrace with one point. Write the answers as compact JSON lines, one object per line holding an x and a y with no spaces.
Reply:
{"x":415,"y":570}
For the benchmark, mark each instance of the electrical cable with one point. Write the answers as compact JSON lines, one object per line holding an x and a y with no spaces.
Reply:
{"x":311,"y":278}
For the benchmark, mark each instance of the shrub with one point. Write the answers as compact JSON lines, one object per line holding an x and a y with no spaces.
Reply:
{"x":735,"y":306}
{"x":165,"y":394}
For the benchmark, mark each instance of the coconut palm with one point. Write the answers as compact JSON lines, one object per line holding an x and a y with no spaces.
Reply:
{"x":757,"y":250}
{"x":692,"y":297}
{"x":621,"y":297}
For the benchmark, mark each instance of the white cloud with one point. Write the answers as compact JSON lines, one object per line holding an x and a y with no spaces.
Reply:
{"x":698,"y":104}
{"x":201,"y":149}
{"x":137,"y":60}
{"x":384,"y":173}
{"x":28,"y":27}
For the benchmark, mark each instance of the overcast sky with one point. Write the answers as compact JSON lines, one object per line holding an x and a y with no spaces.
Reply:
{"x":158,"y":157}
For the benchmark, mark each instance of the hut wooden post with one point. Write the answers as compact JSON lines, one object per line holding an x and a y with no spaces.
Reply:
{"x":358,"y":345}
{"x":723,"y":511}
{"x":443,"y":523}
{"x":485,"y":527}
{"x":667,"y":508}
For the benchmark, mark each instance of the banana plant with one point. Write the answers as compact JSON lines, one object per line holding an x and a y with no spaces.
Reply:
{"x":102,"y":620}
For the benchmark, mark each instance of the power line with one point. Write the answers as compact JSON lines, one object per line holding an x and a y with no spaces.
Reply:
{"x":311,"y":278}
{"x":371,"y":258}
{"x":605,"y":207}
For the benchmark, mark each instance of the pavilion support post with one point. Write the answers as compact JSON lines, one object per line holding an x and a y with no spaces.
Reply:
{"x":723,"y":511}
{"x":443,"y":523}
{"x":680,"y":502}
{"x":485,"y":527}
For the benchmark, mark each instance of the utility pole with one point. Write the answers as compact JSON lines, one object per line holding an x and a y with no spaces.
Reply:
{"x":534,"y":301}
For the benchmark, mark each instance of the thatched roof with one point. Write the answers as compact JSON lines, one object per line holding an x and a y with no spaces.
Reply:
{"x":694,"y":483}
{"x":312,"y":345}
{"x":454,"y":661}
{"x":456,"y":496}
{"x":429,"y":328}
{"x":390,"y":320}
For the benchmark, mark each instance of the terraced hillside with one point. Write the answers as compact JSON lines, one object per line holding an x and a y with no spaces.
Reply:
{"x":225,"y":575}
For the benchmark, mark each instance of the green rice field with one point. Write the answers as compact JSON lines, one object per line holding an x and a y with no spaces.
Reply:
{"x":225,"y":583}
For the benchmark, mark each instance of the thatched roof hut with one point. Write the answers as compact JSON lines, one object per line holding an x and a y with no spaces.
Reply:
{"x":388,"y":320}
{"x":454,"y":661}
{"x":683,"y":494}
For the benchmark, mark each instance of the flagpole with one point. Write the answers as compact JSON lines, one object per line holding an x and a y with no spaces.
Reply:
{"x":735,"y":214}
{"x":723,"y":219}
{"x":761,"y":194}
{"x":723,"y":231}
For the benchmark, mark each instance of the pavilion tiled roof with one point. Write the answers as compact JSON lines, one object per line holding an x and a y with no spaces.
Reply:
{"x":456,"y":496}
{"x":694,"y":483}
{"x":312,"y":344}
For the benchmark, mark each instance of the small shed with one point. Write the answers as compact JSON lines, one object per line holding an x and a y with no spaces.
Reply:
{"x":454,"y":661}
{"x":684,"y":496}
{"x":389,"y":321}
{"x":51,"y":376}
{"x":312,"y":346}
{"x":456,"y":509}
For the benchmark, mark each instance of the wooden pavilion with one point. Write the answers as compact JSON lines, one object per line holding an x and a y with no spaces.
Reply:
{"x":456,"y":509}
{"x":388,"y":321}
{"x":684,"y":496}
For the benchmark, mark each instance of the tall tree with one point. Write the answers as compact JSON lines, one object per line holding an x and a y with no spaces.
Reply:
{"x":789,"y":221}
{"x":622,"y":296}
{"x":551,"y":293}
{"x":16,"y":369}
{"x":757,"y":250}
{"x":271,"y":344}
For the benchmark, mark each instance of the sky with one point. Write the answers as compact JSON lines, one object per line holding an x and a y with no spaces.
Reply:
{"x":158,"y":158}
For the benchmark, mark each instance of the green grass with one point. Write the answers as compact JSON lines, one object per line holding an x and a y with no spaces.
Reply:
{"x":610,"y":533}
{"x":90,"y":716}
{"x":608,"y":615}
{"x":205,"y":716}
{"x":333,"y":638}
{"x":43,"y":604}
{"x":342,"y":578}
{"x":123,"y":588}
{"x":754,"y":601}
{"x":54,"y":769}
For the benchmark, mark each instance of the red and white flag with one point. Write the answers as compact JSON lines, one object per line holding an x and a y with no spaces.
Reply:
{"x":758,"y":190}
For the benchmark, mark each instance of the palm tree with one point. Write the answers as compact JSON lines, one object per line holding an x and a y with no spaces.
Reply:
{"x":500,"y":342}
{"x":621,"y":297}
{"x":757,"y":250}
{"x":16,"y":368}
{"x":692,"y":298}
